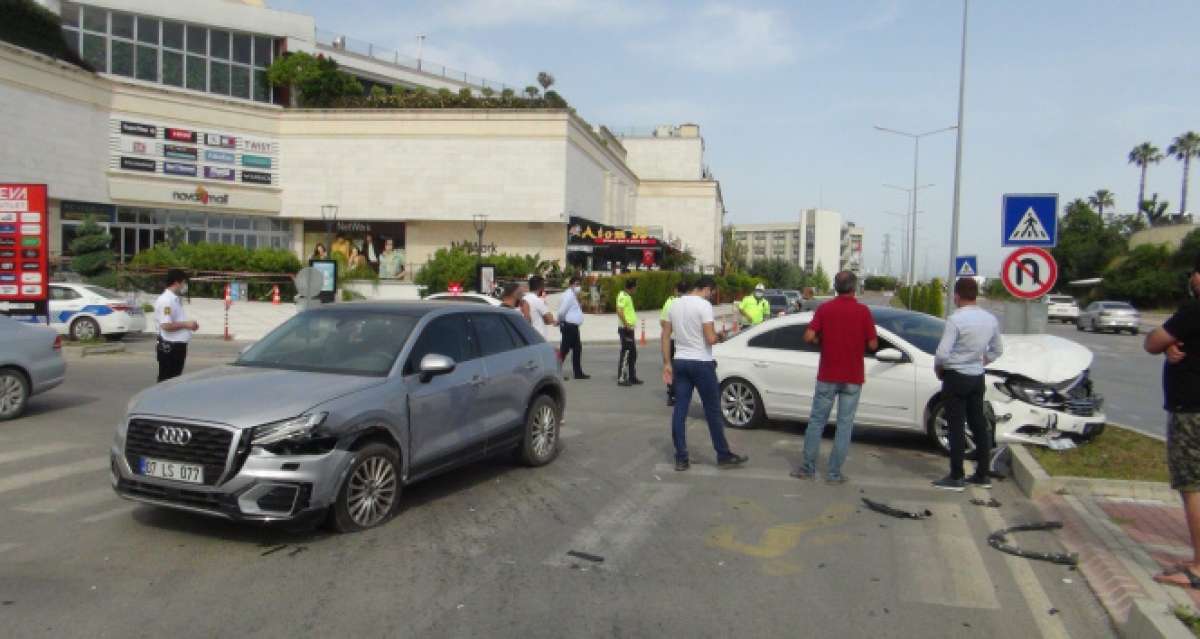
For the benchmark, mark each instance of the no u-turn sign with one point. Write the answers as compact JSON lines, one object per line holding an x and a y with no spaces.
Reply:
{"x":1029,"y":272}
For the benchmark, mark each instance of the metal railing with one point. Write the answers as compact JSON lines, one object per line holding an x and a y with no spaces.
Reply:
{"x":395,"y":58}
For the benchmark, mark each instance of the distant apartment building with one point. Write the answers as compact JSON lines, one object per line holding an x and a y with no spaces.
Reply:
{"x":815,"y":238}
{"x":852,"y":248}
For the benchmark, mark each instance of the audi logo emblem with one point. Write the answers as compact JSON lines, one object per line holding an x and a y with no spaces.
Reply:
{"x":172,"y":435}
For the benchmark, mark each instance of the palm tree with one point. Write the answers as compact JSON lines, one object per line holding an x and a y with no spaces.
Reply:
{"x":545,"y":79}
{"x":1102,"y":199}
{"x":1156,"y":212}
{"x":531,"y":91}
{"x":1144,"y":155}
{"x":1184,"y":148}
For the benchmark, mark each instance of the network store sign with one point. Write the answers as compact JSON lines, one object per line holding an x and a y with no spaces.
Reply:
{"x":165,"y":150}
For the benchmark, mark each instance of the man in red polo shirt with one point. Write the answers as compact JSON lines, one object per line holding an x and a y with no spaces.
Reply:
{"x":845,"y":330}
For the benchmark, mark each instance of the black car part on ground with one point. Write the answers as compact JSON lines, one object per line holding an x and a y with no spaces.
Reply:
{"x":896,"y":512}
{"x":998,"y":541}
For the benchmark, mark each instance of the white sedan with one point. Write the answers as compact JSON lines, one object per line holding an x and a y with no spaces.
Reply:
{"x":1038,"y":391}
{"x":470,"y":298}
{"x":85,"y":312}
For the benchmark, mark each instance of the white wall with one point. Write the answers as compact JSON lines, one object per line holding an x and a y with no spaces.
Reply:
{"x":665,"y":158}
{"x":587,"y":183}
{"x":827,"y":250}
{"x":690,"y":211}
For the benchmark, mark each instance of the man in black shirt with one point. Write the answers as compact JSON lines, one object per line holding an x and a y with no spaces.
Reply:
{"x":1179,"y":340}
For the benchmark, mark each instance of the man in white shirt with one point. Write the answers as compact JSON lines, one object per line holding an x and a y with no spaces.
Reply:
{"x":174,"y":328}
{"x":570,"y":315}
{"x":691,"y":325}
{"x":535,"y":300}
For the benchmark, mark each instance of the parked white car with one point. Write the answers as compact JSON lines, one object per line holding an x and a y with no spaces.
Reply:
{"x":1109,"y":316}
{"x":470,"y":298}
{"x":1038,"y":391}
{"x":1061,"y":308}
{"x":83,"y":312}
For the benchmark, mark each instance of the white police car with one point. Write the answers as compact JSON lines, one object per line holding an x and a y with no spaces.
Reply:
{"x":84,"y":312}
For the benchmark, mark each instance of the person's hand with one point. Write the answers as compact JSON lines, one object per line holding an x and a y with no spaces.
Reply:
{"x":195,"y":326}
{"x":1175,"y":354}
{"x":668,"y":375}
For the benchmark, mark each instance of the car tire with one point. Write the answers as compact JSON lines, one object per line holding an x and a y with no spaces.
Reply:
{"x":85,"y":328}
{"x":541,"y":442}
{"x":370,"y":492}
{"x":741,"y":405}
{"x":14,"y":393}
{"x":938,"y":429}
{"x":1134,"y":331}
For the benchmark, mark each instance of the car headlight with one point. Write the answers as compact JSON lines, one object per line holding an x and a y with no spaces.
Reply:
{"x":298,"y":428}
{"x":1038,"y":393}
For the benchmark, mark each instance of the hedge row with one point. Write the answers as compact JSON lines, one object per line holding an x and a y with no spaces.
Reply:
{"x":654,"y":287}
{"x":204,"y":256}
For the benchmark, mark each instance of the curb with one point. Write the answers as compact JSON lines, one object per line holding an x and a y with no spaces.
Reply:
{"x":102,"y":349}
{"x":1152,"y":619}
{"x":1036,"y":483}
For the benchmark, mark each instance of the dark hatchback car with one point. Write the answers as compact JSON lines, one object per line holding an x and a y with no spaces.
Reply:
{"x":339,"y":408}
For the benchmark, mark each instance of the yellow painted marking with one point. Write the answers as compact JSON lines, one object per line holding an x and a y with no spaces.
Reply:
{"x":778,"y":540}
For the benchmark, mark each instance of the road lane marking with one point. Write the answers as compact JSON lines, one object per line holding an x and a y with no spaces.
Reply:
{"x":1036,"y":600}
{"x":36,"y":451}
{"x":109,"y":514}
{"x":52,"y":473}
{"x":57,"y":504}
{"x":746,"y":473}
{"x":942,"y":540}
{"x":618,"y":530}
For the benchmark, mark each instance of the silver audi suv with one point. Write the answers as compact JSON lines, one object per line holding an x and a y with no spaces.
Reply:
{"x":335,"y":411}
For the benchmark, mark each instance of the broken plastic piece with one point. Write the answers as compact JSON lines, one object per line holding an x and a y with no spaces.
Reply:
{"x":895,"y":512}
{"x":587,"y":556}
{"x":991,"y":503}
{"x":997,"y":540}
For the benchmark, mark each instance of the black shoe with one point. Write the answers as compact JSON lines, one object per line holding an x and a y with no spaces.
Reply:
{"x":624,"y":384}
{"x":582,"y":376}
{"x":682,"y":465}
{"x":732,"y":461}
{"x":979,"y":482}
{"x":800,"y":473}
{"x":949,"y":482}
{"x":637,"y":382}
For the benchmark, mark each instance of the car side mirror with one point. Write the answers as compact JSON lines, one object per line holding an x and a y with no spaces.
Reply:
{"x":891,"y":356}
{"x":433,"y":365}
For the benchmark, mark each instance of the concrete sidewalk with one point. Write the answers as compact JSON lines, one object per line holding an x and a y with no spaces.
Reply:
{"x":253,"y":320}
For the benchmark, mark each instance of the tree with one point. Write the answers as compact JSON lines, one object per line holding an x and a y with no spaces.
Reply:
{"x":678,"y":260}
{"x":1184,"y":148}
{"x":733,"y":254}
{"x":91,"y":249}
{"x":820,"y":280}
{"x":1143,"y":155}
{"x":1155,"y":211}
{"x":1085,"y":245}
{"x":1145,"y":277}
{"x":313,"y":81}
{"x":531,"y":91}
{"x":778,"y":273}
{"x":1100,"y":200}
{"x":1189,"y":252}
{"x":545,"y":79}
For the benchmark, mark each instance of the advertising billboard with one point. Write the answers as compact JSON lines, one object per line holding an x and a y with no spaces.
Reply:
{"x":24,"y":223}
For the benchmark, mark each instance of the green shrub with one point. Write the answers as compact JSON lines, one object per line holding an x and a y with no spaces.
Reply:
{"x":92,"y":256}
{"x":204,"y":256}
{"x":454,"y":264}
{"x":925,"y":298}
{"x":880,"y":283}
{"x":654,"y":287}
{"x":1145,"y":278}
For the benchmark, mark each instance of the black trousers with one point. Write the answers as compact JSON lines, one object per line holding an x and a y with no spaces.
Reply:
{"x":171,"y":356}
{"x":964,"y":406}
{"x":627,"y":363}
{"x":571,"y":343}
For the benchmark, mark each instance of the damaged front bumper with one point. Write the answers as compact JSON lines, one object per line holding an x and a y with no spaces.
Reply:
{"x":1019,"y":422}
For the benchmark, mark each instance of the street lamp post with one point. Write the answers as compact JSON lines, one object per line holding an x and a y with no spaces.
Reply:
{"x":329,"y":213}
{"x":958,"y":149}
{"x":911,"y":234}
{"x":480,"y":222}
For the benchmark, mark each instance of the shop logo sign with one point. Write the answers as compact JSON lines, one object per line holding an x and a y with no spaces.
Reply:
{"x":259,"y":146}
{"x":138,"y":164}
{"x":256,"y":161}
{"x":218,"y":173}
{"x":219,"y":156}
{"x":256,"y":177}
{"x":201,"y":195}
{"x":179,"y":168}
{"x":14,"y":198}
{"x":223,"y":141}
{"x":180,"y":135}
{"x":176,"y":152}
{"x":137,"y":128}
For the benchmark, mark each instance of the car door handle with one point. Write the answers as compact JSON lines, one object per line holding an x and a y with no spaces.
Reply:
{"x":761,"y":365}
{"x":478,"y":380}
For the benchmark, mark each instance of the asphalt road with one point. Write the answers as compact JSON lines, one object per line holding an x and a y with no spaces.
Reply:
{"x":483,"y":551}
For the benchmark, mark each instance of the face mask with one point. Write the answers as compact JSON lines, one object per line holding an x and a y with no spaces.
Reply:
{"x":183,"y":289}
{"x":758,"y":295}
{"x":576,"y":289}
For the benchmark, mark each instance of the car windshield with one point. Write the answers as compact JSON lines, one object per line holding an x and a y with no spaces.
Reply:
{"x":920,"y":330}
{"x":103,"y":292}
{"x":342,"y":342}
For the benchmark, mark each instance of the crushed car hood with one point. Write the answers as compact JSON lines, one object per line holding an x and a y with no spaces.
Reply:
{"x":243,"y":396}
{"x":1043,"y":358}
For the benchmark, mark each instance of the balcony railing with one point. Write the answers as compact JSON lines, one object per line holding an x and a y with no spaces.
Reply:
{"x":395,"y":58}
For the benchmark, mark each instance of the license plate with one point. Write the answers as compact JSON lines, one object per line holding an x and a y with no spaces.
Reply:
{"x":175,"y":471}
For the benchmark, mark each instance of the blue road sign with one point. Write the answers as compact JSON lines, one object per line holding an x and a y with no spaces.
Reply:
{"x":966,"y":266}
{"x":1030,"y":220}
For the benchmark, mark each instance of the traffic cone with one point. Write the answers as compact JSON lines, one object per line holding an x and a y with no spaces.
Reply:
{"x":643,"y":340}
{"x":275,"y":294}
{"x":228,"y":295}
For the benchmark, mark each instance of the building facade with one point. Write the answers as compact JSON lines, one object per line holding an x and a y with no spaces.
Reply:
{"x":852,"y":249}
{"x":814,"y":239}
{"x":177,"y":129}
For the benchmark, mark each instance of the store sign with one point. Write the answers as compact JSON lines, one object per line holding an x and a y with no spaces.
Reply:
{"x":258,"y":146}
{"x":256,"y":161}
{"x":201,"y":196}
{"x":28,"y":202}
{"x":220,"y":156}
{"x":139,"y":129}
{"x":583,"y":231}
{"x":180,"y":135}
{"x":218,"y":173}
{"x":176,"y":152}
{"x":256,"y":177}
{"x":179,"y":168}
{"x":223,"y":141}
{"x":72,"y":210}
{"x":138,"y":164}
{"x":141,"y":147}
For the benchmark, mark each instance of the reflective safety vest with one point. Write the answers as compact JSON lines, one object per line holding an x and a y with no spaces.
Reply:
{"x":756,"y":310}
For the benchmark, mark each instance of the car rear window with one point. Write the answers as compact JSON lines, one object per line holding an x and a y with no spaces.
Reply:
{"x":1117,"y":306}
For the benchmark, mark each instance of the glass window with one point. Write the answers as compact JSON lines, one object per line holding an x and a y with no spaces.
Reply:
{"x":147,"y":30}
{"x":262,"y":51}
{"x":172,"y":35}
{"x":218,"y":44}
{"x":195,"y":237}
{"x":241,"y":48}
{"x":95,"y":19}
{"x":213,"y":237}
{"x":239,"y":82}
{"x":227,"y":221}
{"x":345,"y":342}
{"x":70,"y":14}
{"x":195,"y":220}
{"x":239,"y":239}
{"x":95,"y":52}
{"x":71,"y":37}
{"x":251,"y":242}
{"x":144,"y":240}
{"x":275,"y":243}
{"x":286,"y":225}
{"x":197,"y":40}
{"x":122,"y":25}
{"x":447,"y":336}
{"x":196,"y":73}
{"x":214,"y":221}
{"x":262,"y":92}
{"x":122,"y":58}
{"x":494,"y":335}
{"x":241,"y":223}
{"x":262,"y":224}
{"x":227,"y":238}
{"x":218,"y":77}
{"x":172,"y":68}
{"x":147,"y":63}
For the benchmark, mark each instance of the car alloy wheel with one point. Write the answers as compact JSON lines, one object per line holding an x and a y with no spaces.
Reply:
{"x":540,"y":445}
{"x":740,"y":404}
{"x":84,"y":329}
{"x":545,"y":435}
{"x":370,"y":492}
{"x":14,"y":392}
{"x":940,"y":429}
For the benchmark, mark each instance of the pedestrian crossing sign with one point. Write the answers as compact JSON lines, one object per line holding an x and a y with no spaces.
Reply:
{"x":1030,"y":220}
{"x":966,"y":266}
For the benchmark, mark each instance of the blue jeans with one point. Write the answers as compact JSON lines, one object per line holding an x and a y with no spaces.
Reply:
{"x":847,"y":398}
{"x":701,"y":376}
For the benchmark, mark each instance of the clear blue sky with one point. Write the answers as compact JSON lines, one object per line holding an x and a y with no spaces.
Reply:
{"x":786,"y":93}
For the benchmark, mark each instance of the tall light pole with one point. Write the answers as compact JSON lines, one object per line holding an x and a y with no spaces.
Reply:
{"x":420,"y":46}
{"x":480,"y":222}
{"x":916,"y":138}
{"x":958,"y":148}
{"x":910,"y":234}
{"x":903,"y":244}
{"x":329,"y":214}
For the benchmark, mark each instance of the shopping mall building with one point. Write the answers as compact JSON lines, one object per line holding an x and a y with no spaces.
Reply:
{"x":178,"y":128}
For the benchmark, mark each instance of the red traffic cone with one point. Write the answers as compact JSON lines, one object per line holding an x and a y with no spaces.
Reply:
{"x":643,"y":340}
{"x":275,"y":294}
